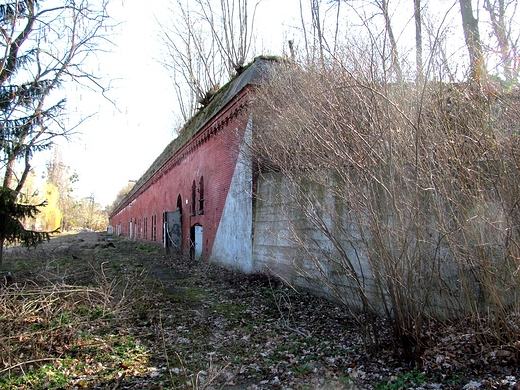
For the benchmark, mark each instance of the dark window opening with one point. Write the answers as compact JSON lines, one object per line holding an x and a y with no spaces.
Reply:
{"x":201,"y":195}
{"x":193,"y":197}
{"x":163,"y":229}
{"x":179,"y":203}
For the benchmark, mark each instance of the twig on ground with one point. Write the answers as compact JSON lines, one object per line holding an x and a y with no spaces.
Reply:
{"x":25,"y":363}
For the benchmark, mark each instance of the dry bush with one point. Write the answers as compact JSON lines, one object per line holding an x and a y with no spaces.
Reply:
{"x":39,"y":324}
{"x":44,"y":322}
{"x":409,"y":194}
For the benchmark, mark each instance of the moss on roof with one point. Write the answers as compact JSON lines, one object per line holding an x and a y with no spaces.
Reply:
{"x":253,"y":74}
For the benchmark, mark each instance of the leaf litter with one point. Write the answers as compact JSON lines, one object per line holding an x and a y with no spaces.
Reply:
{"x":120,"y":314}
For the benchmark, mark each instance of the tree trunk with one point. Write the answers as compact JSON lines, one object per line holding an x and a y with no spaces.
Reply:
{"x":316,"y":24}
{"x":418,"y":41}
{"x":393,"y":44}
{"x":305,"y":38}
{"x":1,"y":250}
{"x":497,"y":13}
{"x":472,"y":37}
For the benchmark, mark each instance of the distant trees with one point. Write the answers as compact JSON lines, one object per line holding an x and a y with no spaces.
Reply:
{"x":91,"y":214}
{"x":63,"y":209}
{"x":58,"y":176}
{"x":43,"y":45}
{"x":50,"y":215}
{"x":120,"y":195}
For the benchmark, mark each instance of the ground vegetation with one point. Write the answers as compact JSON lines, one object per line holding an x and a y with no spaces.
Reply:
{"x":94,"y":311}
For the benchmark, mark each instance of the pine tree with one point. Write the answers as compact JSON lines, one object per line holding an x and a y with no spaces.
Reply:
{"x":12,"y":213}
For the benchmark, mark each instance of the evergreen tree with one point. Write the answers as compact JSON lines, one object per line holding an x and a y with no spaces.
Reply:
{"x":12,"y":213}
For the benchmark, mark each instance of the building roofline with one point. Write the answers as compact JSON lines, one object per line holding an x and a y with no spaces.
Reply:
{"x":252,"y":75}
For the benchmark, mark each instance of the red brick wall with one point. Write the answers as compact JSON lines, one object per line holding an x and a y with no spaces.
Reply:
{"x":212,"y":153}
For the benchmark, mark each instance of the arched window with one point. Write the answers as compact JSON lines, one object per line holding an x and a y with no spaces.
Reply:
{"x":193,"y":197}
{"x":179,"y":203}
{"x":201,"y":195}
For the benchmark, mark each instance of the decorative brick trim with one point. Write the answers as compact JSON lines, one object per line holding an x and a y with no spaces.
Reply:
{"x":211,"y":129}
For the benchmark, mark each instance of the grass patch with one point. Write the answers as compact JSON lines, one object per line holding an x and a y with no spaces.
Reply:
{"x":64,"y":323}
{"x":402,"y":380}
{"x":46,"y":332}
{"x":229,"y":310}
{"x":105,"y":322}
{"x":90,"y":361}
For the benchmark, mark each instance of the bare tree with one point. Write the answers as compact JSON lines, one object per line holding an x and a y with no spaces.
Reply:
{"x":418,"y":40}
{"x":192,"y":57}
{"x":382,"y":34}
{"x":501,"y":14}
{"x":473,"y":43}
{"x":437,"y":36}
{"x":317,"y":28}
{"x":375,"y":20}
{"x":394,"y":53}
{"x":43,"y":45}
{"x":236,"y":36}
{"x":321,"y":25}
{"x":206,"y":42}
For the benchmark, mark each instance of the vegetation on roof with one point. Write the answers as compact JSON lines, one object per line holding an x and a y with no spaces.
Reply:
{"x":220,"y":99}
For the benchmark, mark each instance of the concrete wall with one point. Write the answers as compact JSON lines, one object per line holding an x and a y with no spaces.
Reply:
{"x":233,"y":242}
{"x":288,"y":242}
{"x":312,"y":241}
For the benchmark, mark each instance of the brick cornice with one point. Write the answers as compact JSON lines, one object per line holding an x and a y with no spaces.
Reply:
{"x":211,"y":129}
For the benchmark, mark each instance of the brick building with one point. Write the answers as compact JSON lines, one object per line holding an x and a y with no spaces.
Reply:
{"x":196,"y":196}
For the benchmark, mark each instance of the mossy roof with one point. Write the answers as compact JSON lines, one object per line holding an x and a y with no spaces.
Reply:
{"x":253,"y":74}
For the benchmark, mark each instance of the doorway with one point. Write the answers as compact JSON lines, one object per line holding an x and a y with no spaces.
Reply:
{"x":196,"y":242}
{"x":173,"y":230}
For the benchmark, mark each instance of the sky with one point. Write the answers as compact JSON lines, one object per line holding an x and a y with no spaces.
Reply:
{"x":117,"y":141}
{"x":121,"y":137}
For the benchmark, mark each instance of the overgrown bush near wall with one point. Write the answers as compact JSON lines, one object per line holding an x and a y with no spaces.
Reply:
{"x":415,"y":194}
